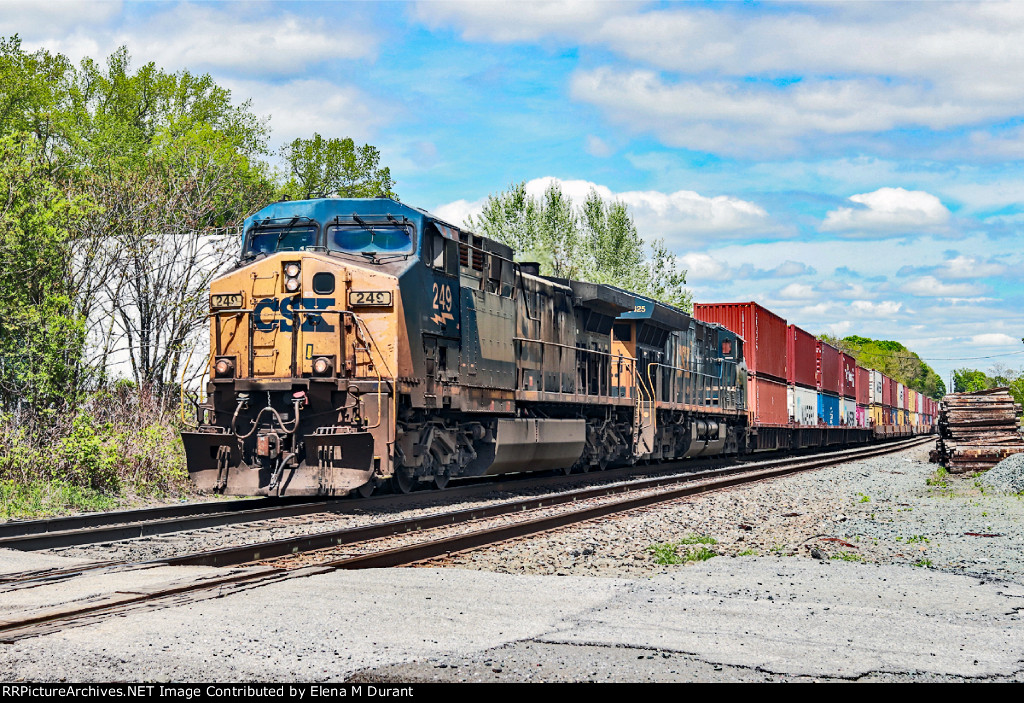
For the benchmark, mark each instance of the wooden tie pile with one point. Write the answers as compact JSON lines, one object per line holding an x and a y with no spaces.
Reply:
{"x":977,"y":430}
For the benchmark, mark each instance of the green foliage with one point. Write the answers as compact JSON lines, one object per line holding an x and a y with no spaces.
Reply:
{"x":321,"y":168}
{"x":971,"y":380}
{"x":37,"y":498}
{"x":847,"y":556}
{"x":596,"y":241}
{"x":894,"y":360}
{"x":669,"y":552}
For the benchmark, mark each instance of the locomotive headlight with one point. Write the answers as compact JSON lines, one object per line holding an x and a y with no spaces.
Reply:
{"x":224,"y":368}
{"x":322,"y":366}
{"x":291,"y":285}
{"x":291,"y":270}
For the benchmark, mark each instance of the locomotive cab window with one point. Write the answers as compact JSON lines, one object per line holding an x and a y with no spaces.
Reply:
{"x":270,"y":238}
{"x":440,"y":252}
{"x":362,"y":237}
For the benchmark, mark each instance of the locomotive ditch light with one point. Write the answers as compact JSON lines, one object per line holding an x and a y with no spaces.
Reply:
{"x":323,"y":366}
{"x":224,"y":367}
{"x":291,"y":273}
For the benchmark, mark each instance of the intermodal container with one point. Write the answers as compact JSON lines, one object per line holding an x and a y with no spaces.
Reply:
{"x":801,"y":357}
{"x":901,"y":397}
{"x":828,"y":408}
{"x":862,"y":415}
{"x":763,"y":331}
{"x":863,"y":386}
{"x":767,"y":401}
{"x":888,"y":391}
{"x":877,"y":414}
{"x":803,"y":405}
{"x":876,"y":387}
{"x":829,"y":368}
{"x":848,"y":376}
{"x":847,"y":412}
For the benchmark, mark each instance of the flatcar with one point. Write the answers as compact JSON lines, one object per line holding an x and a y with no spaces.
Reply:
{"x":358,"y":343}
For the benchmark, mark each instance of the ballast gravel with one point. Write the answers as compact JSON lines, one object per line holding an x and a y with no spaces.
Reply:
{"x":876,"y":570}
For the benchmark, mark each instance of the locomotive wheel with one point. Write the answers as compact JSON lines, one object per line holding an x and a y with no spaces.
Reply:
{"x":441,"y":481}
{"x":366,"y":490}
{"x":401,"y":482}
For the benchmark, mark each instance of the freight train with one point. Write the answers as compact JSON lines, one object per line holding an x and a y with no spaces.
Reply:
{"x":358,"y":343}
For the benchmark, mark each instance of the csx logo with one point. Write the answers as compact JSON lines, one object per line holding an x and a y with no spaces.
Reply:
{"x":311,"y":322}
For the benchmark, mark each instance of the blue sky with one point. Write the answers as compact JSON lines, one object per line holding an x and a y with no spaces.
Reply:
{"x":856,"y":167}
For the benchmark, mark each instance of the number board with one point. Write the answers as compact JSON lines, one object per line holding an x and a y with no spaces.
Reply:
{"x":225,"y":300}
{"x":369,"y":297}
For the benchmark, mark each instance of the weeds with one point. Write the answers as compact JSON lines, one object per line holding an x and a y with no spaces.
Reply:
{"x":847,"y":556}
{"x":925,"y":563}
{"x":669,"y":552}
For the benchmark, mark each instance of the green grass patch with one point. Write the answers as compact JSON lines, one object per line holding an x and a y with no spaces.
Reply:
{"x":37,"y":499}
{"x":924,"y":563}
{"x":671,"y":553}
{"x":847,"y":556}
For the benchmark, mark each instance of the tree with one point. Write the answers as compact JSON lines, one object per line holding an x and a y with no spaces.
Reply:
{"x":41,"y":332}
{"x":321,"y":168}
{"x":597,"y":241}
{"x":970,"y":381}
{"x":894,"y":360}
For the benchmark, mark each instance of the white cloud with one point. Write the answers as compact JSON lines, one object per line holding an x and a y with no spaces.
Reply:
{"x":231,"y":40}
{"x":929,"y":286}
{"x":30,"y":18}
{"x":682,"y":217}
{"x":888,"y":209}
{"x":798,"y":291}
{"x":994,"y":339}
{"x":301,"y":107}
{"x":598,"y":147}
{"x":885,"y":308}
{"x":970,"y":267}
{"x":459,"y":211}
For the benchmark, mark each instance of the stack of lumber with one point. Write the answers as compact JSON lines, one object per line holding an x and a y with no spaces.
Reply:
{"x":978,"y":430}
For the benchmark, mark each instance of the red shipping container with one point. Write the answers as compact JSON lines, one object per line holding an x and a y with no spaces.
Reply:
{"x":768,"y":403}
{"x":863,"y":386}
{"x":887,"y":389}
{"x":848,"y":379}
{"x":801,"y":357}
{"x":829,"y":368}
{"x":763,"y":331}
{"x":894,"y":392}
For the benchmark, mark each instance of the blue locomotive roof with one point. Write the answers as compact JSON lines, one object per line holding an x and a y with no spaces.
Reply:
{"x":326,"y":209}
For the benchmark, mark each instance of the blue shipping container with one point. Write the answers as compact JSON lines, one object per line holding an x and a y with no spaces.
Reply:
{"x":828,"y":409}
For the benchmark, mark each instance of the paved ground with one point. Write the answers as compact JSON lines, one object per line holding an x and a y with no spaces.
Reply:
{"x":727,"y":619}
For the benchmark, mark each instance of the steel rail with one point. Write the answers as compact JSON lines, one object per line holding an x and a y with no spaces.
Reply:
{"x":42,"y":622}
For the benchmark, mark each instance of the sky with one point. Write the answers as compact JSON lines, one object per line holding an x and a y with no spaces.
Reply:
{"x":854,"y":167}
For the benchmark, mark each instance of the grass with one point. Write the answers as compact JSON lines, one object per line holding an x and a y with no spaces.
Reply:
{"x":938,"y":479}
{"x":847,"y":556}
{"x":917,"y":538}
{"x":670,"y":553}
{"x":45,"y":498}
{"x":864,"y":498}
{"x":925,"y":563}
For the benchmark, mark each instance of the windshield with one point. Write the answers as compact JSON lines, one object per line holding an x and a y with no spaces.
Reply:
{"x":370,"y":239}
{"x":268,"y":239}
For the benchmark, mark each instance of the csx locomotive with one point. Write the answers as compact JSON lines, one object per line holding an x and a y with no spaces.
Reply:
{"x":362,"y":341}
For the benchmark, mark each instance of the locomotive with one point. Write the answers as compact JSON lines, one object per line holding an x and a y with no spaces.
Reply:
{"x":363,"y":342}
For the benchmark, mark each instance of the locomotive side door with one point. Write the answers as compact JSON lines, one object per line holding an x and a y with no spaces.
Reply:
{"x":441,"y":333}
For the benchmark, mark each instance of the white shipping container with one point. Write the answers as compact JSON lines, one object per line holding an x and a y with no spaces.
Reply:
{"x":803,"y":405}
{"x":901,"y":396}
{"x":876,"y":387}
{"x":848,"y":411}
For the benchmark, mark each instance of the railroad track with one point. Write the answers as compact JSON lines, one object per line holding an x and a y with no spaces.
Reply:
{"x":398,"y":542}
